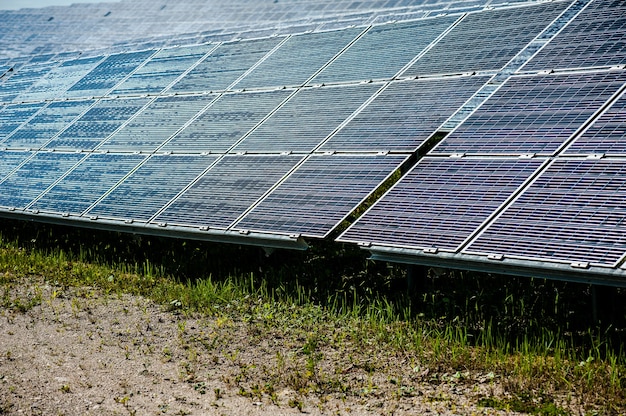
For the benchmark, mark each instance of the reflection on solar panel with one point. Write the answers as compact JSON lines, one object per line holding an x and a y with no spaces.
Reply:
{"x":13,"y":116}
{"x":596,"y":37}
{"x":97,"y":124}
{"x":226,"y":121}
{"x":151,"y":187}
{"x":10,"y":161}
{"x":404,"y":115}
{"x":304,"y":121}
{"x":573,"y":212}
{"x":86,"y":183}
{"x":35,"y":176}
{"x":227,"y":190}
{"x":162,"y":70}
{"x":486,"y":40}
{"x":108,"y":74}
{"x":59,"y":80}
{"x":533,"y":114}
{"x":384,"y":50}
{"x":46,"y":124}
{"x":224,"y":66}
{"x":314,"y":199}
{"x":441,"y":202}
{"x":156,"y":123}
{"x":22,"y":80}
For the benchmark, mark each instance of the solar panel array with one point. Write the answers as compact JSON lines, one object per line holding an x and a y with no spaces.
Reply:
{"x":263,"y":133}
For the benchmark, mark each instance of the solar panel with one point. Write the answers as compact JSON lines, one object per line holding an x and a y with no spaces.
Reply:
{"x":486,"y":40}
{"x":46,"y":124}
{"x":226,"y":121}
{"x":596,"y":37}
{"x":441,"y":202}
{"x":156,"y":123}
{"x":321,"y":192}
{"x":99,"y":81}
{"x":384,"y":50}
{"x":224,"y":65}
{"x":151,"y":187}
{"x":404,"y":115}
{"x":227,"y":190}
{"x":22,"y":79}
{"x":14,"y":115}
{"x":298,"y":59}
{"x":87,"y":182}
{"x":10,"y":161}
{"x":304,"y":121}
{"x":162,"y":70}
{"x":105,"y":117}
{"x":573,"y":212}
{"x":25,"y":184}
{"x":533,"y":114}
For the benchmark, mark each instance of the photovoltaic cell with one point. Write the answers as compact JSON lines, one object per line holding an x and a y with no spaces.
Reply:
{"x":596,"y":37}
{"x":35,"y":176}
{"x":108,"y":74}
{"x":14,"y":115}
{"x":227,"y":190}
{"x":97,"y":124}
{"x":296,"y":60}
{"x":225,"y":122}
{"x":151,"y":187}
{"x":441,"y":202}
{"x":384,"y":50}
{"x":573,"y":212}
{"x":224,"y":66}
{"x":10,"y":161}
{"x":156,"y":123}
{"x":321,"y":192}
{"x":162,"y":70}
{"x":304,"y":121}
{"x":46,"y":124}
{"x":404,"y":115}
{"x":86,"y":183}
{"x":22,"y":79}
{"x":533,"y":114}
{"x":486,"y":40}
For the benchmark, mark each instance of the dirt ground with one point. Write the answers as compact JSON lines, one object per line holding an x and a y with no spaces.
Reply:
{"x":79,"y":352}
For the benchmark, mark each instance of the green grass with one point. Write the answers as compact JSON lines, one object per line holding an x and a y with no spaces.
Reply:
{"x":533,"y":336}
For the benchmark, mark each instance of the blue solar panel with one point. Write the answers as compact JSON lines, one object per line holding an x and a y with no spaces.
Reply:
{"x":533,"y":114}
{"x":86,"y":183}
{"x":14,"y":115}
{"x":573,"y":212}
{"x":151,"y":187}
{"x":487,"y":40}
{"x":225,"y":122}
{"x":384,"y":50}
{"x":441,"y":202}
{"x":298,"y":59}
{"x":11,"y":160}
{"x":162,"y":70}
{"x":404,"y":115}
{"x":108,"y":74}
{"x":97,"y":124}
{"x":224,"y":66}
{"x":319,"y":194}
{"x":156,"y":123}
{"x":304,"y":121}
{"x":22,"y":79}
{"x":596,"y":37}
{"x":46,"y":124}
{"x":227,"y":190}
{"x":35,"y":176}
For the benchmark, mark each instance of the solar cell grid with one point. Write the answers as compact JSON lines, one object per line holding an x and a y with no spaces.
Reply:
{"x":573,"y":212}
{"x":226,"y":121}
{"x":306,"y":119}
{"x":486,"y":40}
{"x":321,"y":192}
{"x":441,"y":202}
{"x":227,"y":190}
{"x":533,"y":114}
{"x":596,"y":37}
{"x":14,"y":115}
{"x":404,"y":115}
{"x":87,"y":182}
{"x":11,"y":160}
{"x":22,"y":79}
